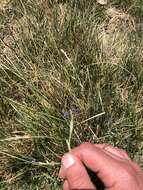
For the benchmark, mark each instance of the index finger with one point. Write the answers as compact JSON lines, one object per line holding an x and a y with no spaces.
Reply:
{"x":96,"y":159}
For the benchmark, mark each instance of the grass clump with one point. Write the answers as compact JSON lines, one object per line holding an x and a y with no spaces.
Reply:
{"x":70,"y":71}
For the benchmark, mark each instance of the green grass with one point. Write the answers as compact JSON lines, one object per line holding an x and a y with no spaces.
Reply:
{"x":70,"y":71}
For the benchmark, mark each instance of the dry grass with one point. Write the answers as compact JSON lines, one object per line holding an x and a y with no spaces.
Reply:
{"x":70,"y":71}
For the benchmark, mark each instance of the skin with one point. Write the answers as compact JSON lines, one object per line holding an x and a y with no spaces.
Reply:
{"x":112,"y":165}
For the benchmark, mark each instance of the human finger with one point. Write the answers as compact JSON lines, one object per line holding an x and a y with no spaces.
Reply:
{"x":75,"y":173}
{"x":114,"y":150}
{"x":99,"y":161}
{"x":66,"y":185}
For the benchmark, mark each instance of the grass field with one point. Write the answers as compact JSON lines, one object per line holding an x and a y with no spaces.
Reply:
{"x":70,"y":71}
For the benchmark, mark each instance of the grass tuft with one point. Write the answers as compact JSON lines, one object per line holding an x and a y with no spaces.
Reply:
{"x":70,"y":71}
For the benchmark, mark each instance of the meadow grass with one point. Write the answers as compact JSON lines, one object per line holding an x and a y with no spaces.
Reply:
{"x":70,"y":71}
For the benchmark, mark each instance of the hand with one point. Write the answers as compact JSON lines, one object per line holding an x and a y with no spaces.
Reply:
{"x":112,"y":165}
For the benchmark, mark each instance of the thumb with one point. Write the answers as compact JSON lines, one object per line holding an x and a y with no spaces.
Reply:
{"x":75,"y":173}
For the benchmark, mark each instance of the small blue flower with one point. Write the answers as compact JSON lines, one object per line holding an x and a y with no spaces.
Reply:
{"x":73,"y":110}
{"x":66,"y":114}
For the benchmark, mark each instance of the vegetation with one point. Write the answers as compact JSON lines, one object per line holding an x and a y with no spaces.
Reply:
{"x":70,"y":71}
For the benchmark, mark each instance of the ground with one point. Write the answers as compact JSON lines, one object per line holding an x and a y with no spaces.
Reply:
{"x":70,"y":71}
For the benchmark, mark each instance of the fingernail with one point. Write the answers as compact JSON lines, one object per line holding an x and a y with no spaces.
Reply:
{"x":68,"y":161}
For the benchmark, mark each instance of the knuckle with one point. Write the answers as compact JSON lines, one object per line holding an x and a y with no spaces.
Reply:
{"x":128,"y":173}
{"x":124,"y":152}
